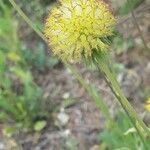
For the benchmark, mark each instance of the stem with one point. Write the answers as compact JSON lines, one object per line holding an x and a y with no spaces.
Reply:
{"x":97,"y":99}
{"x":92,"y":92}
{"x":28,"y":21}
{"x":112,"y":82}
{"x":138,"y":28}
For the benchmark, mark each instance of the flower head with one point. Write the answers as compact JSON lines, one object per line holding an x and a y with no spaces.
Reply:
{"x":75,"y":28}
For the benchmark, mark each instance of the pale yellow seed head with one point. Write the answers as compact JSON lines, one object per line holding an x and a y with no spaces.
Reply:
{"x":74,"y":28}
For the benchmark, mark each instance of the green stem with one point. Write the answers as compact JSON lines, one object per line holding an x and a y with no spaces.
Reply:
{"x":92,"y":92}
{"x":137,"y":26}
{"x":112,"y":82}
{"x":28,"y":21}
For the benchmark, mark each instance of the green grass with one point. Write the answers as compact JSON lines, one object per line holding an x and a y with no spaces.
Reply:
{"x":21,"y":100}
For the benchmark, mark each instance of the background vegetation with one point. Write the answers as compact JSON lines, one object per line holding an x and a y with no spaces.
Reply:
{"x":32,"y":100}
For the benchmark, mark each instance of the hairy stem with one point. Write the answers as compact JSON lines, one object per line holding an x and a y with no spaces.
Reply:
{"x":140,"y":126}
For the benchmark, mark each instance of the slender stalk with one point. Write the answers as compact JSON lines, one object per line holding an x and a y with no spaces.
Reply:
{"x":112,"y":82}
{"x":92,"y":92}
{"x":138,"y":27}
{"x":97,"y":99}
{"x":28,"y":21}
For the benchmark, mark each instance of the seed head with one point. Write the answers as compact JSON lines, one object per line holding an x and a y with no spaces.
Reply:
{"x":75,"y":28}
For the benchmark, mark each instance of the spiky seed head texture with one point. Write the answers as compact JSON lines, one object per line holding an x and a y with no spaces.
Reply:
{"x":75,"y":28}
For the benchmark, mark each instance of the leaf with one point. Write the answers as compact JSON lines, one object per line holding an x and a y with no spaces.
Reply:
{"x":68,"y":102}
{"x":4,"y":105}
{"x":123,"y":148}
{"x":39,"y":125}
{"x":13,"y":56}
{"x":3,"y":116}
{"x":71,"y":143}
{"x":24,"y":75}
{"x":9,"y":131}
{"x":2,"y":62}
{"x":131,"y":130}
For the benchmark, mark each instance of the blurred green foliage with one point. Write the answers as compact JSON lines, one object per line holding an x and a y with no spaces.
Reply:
{"x":21,"y":100}
{"x":39,"y":59}
{"x":126,"y":8}
{"x":127,"y":139}
{"x":121,"y":45}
